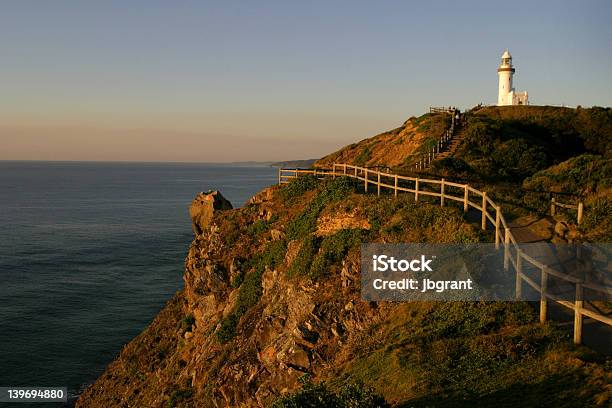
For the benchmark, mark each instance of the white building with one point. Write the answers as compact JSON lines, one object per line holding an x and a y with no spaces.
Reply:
{"x":507,"y":95}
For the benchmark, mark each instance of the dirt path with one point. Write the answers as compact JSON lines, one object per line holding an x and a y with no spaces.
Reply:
{"x":531,"y":229}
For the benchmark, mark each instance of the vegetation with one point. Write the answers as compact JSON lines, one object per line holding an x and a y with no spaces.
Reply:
{"x":178,"y":397}
{"x":351,"y":395}
{"x":250,"y":290}
{"x":332,"y":190}
{"x":317,"y":255}
{"x":334,"y":248}
{"x":512,"y":144}
{"x":363,"y":156}
{"x":464,"y":354}
{"x":579,"y":175}
{"x":297,"y":187}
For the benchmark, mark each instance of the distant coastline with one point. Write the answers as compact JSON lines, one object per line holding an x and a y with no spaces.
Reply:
{"x":288,"y":163}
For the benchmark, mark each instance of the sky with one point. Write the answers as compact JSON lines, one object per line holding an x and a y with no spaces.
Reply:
{"x":201,"y":81}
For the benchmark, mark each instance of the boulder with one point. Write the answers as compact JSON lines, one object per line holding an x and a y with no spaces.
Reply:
{"x":561,"y":229}
{"x":203,"y":208}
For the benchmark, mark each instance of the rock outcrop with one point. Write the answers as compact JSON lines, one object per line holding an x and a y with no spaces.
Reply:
{"x":203,"y":208}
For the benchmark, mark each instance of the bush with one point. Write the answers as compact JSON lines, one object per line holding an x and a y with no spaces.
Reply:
{"x":258,"y":227}
{"x":297,"y":187}
{"x":351,"y":395}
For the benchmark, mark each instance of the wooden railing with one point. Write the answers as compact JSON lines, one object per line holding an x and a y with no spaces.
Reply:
{"x":423,"y":160}
{"x":442,"y":109}
{"x":578,"y":207}
{"x":514,"y":256}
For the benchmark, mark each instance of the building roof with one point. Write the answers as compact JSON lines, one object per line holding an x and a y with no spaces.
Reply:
{"x":506,"y":54}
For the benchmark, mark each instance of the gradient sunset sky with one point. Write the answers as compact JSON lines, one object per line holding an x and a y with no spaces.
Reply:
{"x":274,"y":80}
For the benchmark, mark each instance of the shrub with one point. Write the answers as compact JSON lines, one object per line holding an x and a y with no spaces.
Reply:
{"x":351,"y":395}
{"x":297,"y":187}
{"x":258,"y":227}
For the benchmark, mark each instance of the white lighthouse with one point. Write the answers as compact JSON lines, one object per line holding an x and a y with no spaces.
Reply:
{"x":506,"y":94}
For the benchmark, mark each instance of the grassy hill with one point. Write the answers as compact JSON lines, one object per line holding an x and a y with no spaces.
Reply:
{"x":393,"y":148}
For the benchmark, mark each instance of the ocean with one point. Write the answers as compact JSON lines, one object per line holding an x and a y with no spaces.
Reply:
{"x":89,"y":253}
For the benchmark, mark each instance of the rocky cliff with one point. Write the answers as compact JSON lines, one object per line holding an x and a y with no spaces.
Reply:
{"x":270,"y":315}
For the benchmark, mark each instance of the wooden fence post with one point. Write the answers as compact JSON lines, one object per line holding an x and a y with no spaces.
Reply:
{"x":396,"y":186}
{"x":279,"y":175}
{"x":442,"y":193}
{"x":552,"y":206}
{"x":483,"y":223}
{"x":580,"y":211}
{"x":416,"y":190}
{"x":345,"y":169}
{"x":519,"y":275}
{"x":378,"y":183}
{"x":543,"y":298}
{"x":506,"y":249}
{"x":355,"y":171}
{"x":365,"y":177}
{"x":465,"y":199}
{"x":497,"y":226}
{"x":334,"y":171}
{"x":578,"y":314}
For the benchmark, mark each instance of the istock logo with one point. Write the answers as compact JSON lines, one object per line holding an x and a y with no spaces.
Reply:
{"x":383,"y":263}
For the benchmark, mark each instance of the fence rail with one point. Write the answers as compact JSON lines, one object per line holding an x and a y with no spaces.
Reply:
{"x":514,"y":256}
{"x":578,"y":207}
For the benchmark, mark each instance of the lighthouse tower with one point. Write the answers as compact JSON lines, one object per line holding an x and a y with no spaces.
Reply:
{"x":506,"y":94}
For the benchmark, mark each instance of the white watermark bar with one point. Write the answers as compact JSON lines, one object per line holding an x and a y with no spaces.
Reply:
{"x":33,"y":394}
{"x":475,"y":272}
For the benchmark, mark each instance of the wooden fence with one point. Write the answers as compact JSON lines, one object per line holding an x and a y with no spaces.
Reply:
{"x":578,"y":207}
{"x":423,"y":160}
{"x":464,"y":194}
{"x":442,"y":109}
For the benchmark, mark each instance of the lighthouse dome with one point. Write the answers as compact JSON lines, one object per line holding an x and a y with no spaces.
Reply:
{"x":506,"y":54}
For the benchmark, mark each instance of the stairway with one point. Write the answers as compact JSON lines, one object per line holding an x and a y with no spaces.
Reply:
{"x":452,"y":147}
{"x":446,"y":146}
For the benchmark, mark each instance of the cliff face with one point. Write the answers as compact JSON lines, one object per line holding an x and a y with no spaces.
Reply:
{"x":271,"y":297}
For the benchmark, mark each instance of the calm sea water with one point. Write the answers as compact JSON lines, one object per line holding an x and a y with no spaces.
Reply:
{"x":89,"y":253}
